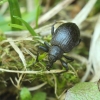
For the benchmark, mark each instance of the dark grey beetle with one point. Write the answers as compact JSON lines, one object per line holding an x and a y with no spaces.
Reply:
{"x":64,"y":39}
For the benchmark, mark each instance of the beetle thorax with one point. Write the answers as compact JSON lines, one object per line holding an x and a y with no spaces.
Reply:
{"x":55,"y":53}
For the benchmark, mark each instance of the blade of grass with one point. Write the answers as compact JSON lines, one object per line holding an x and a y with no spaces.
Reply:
{"x":38,"y":10}
{"x":14,"y":11}
{"x":30,"y":29}
{"x":18,"y":26}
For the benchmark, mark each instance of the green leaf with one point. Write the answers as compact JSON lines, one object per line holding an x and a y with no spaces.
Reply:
{"x":83,"y":91}
{"x":25,"y":94}
{"x":39,"y":96}
{"x":30,"y":29}
{"x":42,"y":56}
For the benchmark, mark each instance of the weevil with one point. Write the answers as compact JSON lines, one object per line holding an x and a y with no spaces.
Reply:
{"x":64,"y":39}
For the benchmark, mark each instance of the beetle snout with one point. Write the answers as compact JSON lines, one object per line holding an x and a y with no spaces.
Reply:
{"x":49,"y":66}
{"x":51,"y":59}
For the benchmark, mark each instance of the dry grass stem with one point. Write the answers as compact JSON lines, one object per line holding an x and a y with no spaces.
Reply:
{"x":37,"y":87}
{"x":16,"y":48}
{"x":35,"y":72}
{"x":54,"y":11}
{"x":82,"y":59}
{"x":30,"y":5}
{"x":3,"y":8}
{"x":94,"y":54}
{"x":58,"y":96}
{"x":81,"y":16}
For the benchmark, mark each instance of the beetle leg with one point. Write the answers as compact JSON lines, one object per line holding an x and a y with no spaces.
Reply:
{"x":69,"y":58}
{"x":45,"y":49}
{"x":64,"y":64}
{"x":42,"y":48}
{"x":80,"y":40}
{"x":52,"y":28}
{"x":47,"y":45}
{"x":37,"y":56}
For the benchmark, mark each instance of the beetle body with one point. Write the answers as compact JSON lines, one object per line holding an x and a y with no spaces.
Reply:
{"x":64,"y":39}
{"x":66,"y":36}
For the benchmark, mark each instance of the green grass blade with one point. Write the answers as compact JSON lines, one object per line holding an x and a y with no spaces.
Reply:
{"x":14,"y":11}
{"x":38,"y":10}
{"x":18,"y":26}
{"x":30,"y":29}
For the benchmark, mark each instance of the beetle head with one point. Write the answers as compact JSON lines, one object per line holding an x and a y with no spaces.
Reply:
{"x":55,"y":53}
{"x":51,"y":59}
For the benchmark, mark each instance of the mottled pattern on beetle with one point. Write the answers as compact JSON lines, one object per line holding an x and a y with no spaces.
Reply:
{"x":66,"y":36}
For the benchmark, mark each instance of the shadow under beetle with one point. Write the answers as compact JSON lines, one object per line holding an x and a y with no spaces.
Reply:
{"x":64,"y":39}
